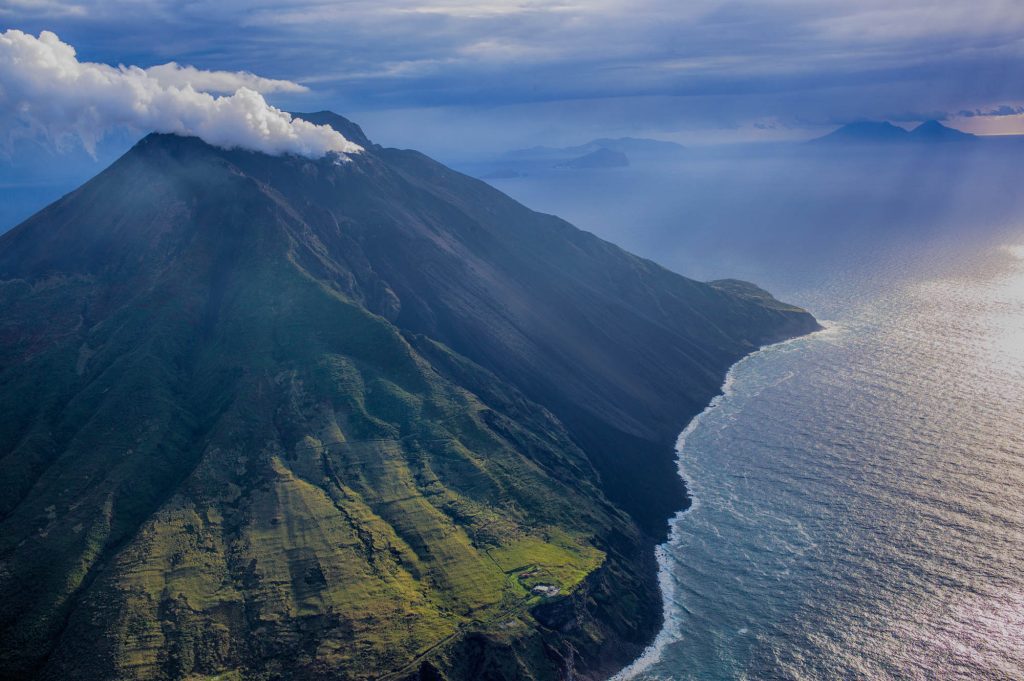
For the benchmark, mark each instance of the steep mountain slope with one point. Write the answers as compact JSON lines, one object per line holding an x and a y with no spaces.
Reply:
{"x":265,"y":417}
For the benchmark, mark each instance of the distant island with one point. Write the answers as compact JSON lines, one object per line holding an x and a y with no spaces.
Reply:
{"x":883,"y":132}
{"x":597,"y":154}
{"x":601,"y":158}
{"x":637,"y":147}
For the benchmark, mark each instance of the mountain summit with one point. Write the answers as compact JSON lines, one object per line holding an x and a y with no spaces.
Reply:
{"x":933,"y":131}
{"x":866,"y":132}
{"x":277,"y":418}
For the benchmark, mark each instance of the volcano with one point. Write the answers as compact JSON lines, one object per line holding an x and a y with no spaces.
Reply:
{"x":268,"y":417}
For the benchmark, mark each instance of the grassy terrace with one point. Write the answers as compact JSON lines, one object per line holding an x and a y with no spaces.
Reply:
{"x":358,"y":537}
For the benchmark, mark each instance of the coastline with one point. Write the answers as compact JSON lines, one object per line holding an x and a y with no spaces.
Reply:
{"x":671,"y":629}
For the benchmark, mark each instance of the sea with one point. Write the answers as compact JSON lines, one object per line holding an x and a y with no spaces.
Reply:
{"x":858,"y":496}
{"x":858,"y":493}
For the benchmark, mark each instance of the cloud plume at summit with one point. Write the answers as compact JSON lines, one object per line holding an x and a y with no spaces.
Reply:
{"x":46,"y":93}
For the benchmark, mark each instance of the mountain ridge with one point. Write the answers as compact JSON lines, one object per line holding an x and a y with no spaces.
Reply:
{"x":276,"y":404}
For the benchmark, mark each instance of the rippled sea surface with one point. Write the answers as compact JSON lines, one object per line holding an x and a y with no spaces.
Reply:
{"x":859,"y":495}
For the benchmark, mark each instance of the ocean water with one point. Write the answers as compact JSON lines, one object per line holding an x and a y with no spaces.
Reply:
{"x":859,"y":493}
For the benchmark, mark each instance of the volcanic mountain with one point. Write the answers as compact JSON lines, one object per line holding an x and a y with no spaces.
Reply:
{"x":883,"y":132}
{"x":357,"y":417}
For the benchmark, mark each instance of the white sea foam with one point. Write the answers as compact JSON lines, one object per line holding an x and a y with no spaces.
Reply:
{"x":672,"y":628}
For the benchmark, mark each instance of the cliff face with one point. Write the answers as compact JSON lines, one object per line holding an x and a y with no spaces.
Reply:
{"x":267,"y":417}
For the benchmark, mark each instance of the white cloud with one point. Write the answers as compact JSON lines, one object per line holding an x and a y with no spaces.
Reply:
{"x":46,"y":92}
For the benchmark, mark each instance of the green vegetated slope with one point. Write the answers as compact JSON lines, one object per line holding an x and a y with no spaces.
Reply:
{"x":274,"y":418}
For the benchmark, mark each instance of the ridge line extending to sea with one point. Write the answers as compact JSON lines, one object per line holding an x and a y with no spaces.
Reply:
{"x":670,"y":630}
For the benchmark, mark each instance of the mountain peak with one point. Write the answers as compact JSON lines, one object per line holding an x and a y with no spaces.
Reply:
{"x":865,"y":132}
{"x":349,"y":129}
{"x":935,"y":131}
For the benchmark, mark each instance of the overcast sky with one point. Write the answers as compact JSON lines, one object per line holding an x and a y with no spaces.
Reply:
{"x":451,"y":77}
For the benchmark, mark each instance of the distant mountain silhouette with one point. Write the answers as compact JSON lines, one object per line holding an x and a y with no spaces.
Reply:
{"x":640,"y":146}
{"x":933,"y":131}
{"x":601,"y":158}
{"x":883,"y":132}
{"x":634,"y":147}
{"x":866,"y":132}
